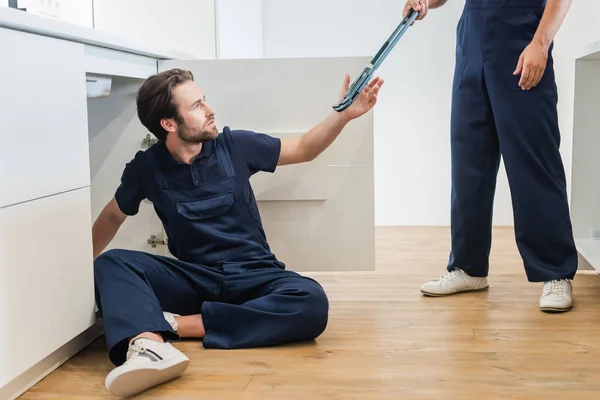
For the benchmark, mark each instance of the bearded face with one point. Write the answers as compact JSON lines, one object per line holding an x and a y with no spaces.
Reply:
{"x":197,"y":134}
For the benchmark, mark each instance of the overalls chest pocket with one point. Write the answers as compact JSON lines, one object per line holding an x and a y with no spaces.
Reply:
{"x":207,"y":207}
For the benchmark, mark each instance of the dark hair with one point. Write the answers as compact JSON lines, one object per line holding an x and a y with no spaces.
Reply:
{"x":155,"y":99}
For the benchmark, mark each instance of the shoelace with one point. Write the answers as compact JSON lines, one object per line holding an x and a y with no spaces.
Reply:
{"x":135,"y":349}
{"x":450,"y":275}
{"x":556,"y":287}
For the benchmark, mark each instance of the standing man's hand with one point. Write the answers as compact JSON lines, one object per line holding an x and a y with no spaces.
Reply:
{"x":531,"y":65}
{"x":422,"y":6}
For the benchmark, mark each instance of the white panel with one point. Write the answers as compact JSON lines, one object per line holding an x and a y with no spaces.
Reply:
{"x":585,"y":196}
{"x":240,"y":28}
{"x":182,"y":25}
{"x":46,"y":278}
{"x":44,"y":119}
{"x":585,"y":182}
{"x":99,"y":60}
{"x":116,"y":135}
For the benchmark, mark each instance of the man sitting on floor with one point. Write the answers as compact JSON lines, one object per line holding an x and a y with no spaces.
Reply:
{"x":224,"y":285}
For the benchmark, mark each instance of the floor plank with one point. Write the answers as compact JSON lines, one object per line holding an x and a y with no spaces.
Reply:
{"x":386,"y":341}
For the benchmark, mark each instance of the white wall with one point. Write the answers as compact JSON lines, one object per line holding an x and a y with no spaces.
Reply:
{"x":412,"y":153}
{"x":183,"y":25}
{"x":239,"y":29}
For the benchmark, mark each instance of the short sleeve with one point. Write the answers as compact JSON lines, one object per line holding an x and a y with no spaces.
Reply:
{"x":130,"y":192}
{"x":260,"y":151}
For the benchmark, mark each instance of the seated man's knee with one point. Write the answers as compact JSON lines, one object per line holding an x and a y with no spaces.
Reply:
{"x":315,"y":309}
{"x":109,"y":261}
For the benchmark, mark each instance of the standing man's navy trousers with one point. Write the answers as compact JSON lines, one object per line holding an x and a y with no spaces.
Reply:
{"x":492,"y":116}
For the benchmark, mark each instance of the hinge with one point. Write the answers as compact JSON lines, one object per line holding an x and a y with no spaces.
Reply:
{"x":153,"y":241}
{"x":149,"y":141}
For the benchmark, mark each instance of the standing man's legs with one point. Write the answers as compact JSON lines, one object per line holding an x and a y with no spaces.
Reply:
{"x":475,"y":162}
{"x":528,"y":130}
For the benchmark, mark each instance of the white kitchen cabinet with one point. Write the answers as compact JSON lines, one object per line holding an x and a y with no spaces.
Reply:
{"x":46,"y":279}
{"x":42,"y":96}
{"x":585,"y":185}
{"x":115,"y":136}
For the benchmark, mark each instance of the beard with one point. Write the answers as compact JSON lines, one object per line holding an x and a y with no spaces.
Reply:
{"x":196,"y":136}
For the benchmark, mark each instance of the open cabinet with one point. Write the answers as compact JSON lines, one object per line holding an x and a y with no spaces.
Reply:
{"x":115,"y":136}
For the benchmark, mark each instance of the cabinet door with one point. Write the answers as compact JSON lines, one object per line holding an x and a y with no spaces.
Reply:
{"x":43,"y":126}
{"x":46,"y":278}
{"x":116,"y":135}
{"x":318,"y":216}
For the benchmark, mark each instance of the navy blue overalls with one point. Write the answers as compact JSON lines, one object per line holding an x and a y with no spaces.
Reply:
{"x":492,"y":116}
{"x":223,"y":271}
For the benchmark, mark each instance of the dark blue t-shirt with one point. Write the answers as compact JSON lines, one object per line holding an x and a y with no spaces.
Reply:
{"x":250,"y":152}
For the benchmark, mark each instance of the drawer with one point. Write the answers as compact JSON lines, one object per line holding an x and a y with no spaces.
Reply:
{"x":304,"y":181}
{"x":44,"y":117}
{"x":46,"y":278}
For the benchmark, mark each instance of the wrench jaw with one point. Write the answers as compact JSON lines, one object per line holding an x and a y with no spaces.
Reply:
{"x":355,"y":89}
{"x":346,"y":102}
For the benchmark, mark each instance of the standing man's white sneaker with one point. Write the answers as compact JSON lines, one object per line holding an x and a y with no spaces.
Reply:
{"x":557,"y":296}
{"x":454,"y":282}
{"x":149,"y":363}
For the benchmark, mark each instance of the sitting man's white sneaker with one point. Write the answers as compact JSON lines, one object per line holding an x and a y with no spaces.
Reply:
{"x":170,"y":317}
{"x":557,"y":295}
{"x":454,"y":282}
{"x":149,"y":363}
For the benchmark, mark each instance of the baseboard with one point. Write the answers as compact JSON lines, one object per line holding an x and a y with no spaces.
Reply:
{"x":33,"y":375}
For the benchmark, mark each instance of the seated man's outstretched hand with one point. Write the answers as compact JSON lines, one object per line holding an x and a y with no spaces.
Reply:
{"x":365,"y":101}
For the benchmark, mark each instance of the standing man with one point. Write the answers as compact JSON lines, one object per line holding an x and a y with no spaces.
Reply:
{"x":504,"y":102}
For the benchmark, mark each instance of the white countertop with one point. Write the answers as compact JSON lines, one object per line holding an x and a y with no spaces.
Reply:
{"x":27,"y":22}
{"x":590,"y":52}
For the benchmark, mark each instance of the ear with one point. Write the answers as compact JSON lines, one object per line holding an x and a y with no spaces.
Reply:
{"x":168,"y":124}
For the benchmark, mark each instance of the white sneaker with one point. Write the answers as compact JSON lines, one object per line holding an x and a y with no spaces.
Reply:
{"x":557,"y":296}
{"x":149,"y":363}
{"x":454,"y":282}
{"x":170,"y":317}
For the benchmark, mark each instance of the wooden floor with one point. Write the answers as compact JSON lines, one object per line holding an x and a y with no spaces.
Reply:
{"x":386,"y":341}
